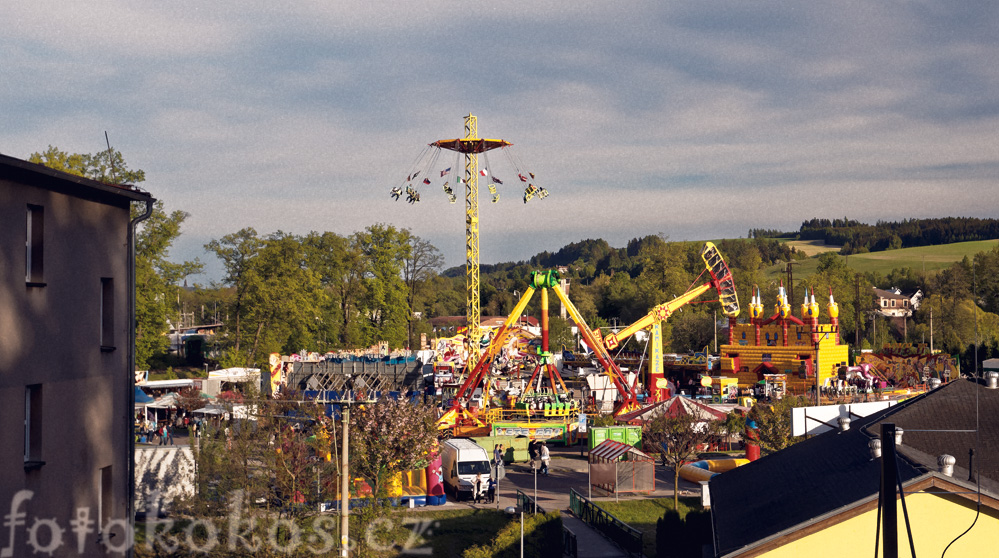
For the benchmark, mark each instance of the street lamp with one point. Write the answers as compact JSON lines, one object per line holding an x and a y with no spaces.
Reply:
{"x":512,"y":510}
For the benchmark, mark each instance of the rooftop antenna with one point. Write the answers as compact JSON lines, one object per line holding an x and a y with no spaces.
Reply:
{"x":114,"y":175}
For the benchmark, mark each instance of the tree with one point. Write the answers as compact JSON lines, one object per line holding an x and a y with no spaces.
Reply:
{"x":734,"y":424}
{"x":389,"y":437}
{"x":385,"y":249}
{"x":156,"y":280}
{"x":283,"y":299}
{"x":237,"y":251}
{"x":105,"y":166}
{"x":420,"y":263}
{"x":773,"y":423}
{"x":677,"y":438}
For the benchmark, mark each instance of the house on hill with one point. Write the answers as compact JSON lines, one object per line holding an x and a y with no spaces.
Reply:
{"x":820,"y":497}
{"x":893,"y":304}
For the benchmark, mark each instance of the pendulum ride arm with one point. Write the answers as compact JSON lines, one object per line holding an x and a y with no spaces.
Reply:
{"x":500,"y":339}
{"x":610,"y":367}
{"x":721,"y":281}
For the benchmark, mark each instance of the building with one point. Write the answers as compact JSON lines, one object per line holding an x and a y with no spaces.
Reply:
{"x":893,"y":304}
{"x":66,"y":359}
{"x":819,"y":497}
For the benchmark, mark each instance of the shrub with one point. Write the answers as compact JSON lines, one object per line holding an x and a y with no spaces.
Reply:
{"x":542,"y":537}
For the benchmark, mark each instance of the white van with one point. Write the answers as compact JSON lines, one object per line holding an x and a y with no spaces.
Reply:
{"x":461,"y":461}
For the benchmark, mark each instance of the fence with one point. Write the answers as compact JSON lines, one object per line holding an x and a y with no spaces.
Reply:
{"x":619,"y":532}
{"x":528,"y":504}
{"x":569,"y":544}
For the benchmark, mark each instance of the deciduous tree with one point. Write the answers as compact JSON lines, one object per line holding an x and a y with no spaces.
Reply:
{"x":677,"y":438}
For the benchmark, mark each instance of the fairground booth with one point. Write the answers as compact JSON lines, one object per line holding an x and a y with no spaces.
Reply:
{"x":619,"y":468}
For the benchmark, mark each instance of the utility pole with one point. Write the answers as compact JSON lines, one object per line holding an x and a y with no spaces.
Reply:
{"x":856,"y":309}
{"x":889,"y":481}
{"x":344,"y":483}
{"x":790,"y":283}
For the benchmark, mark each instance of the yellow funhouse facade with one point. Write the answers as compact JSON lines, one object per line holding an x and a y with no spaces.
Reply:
{"x":784,"y":344}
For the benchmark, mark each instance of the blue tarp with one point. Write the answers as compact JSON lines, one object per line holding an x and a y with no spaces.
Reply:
{"x":141,"y":397}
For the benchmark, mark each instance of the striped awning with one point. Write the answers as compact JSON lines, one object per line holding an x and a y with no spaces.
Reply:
{"x":610,"y":450}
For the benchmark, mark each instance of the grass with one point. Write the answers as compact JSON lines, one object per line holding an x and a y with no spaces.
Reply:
{"x":642,"y":514}
{"x":811,"y":247}
{"x":398,"y":532}
{"x":930,"y":258}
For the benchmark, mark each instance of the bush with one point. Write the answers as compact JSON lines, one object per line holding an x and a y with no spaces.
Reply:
{"x":683,"y":538}
{"x":542,"y":537}
{"x":669,"y":533}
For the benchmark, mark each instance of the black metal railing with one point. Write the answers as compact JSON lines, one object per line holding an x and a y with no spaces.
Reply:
{"x":528,"y":504}
{"x":619,"y":532}
{"x":569,"y":545}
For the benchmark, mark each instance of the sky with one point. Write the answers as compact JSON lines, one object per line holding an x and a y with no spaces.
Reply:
{"x":696,"y":120}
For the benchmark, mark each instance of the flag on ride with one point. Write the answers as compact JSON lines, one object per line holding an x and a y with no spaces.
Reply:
{"x":445,"y":171}
{"x":530,"y":173}
{"x":426,"y":181}
{"x":484,"y":172}
{"x":497,"y":181}
{"x":522,"y":177}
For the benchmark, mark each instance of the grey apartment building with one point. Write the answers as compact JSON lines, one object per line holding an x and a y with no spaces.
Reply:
{"x":66,"y":371}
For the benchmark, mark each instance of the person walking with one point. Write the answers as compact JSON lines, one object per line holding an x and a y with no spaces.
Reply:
{"x":532,"y":451}
{"x":168,"y":431}
{"x":545,"y":458}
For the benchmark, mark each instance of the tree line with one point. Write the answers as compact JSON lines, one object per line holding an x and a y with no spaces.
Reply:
{"x":858,"y":238}
{"x":324,"y":291}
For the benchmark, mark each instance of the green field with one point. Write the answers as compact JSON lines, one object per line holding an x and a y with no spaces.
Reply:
{"x":929,"y":258}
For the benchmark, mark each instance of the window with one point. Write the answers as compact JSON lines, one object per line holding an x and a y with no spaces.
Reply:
{"x":893,"y":303}
{"x":107,"y":314}
{"x":905,"y":303}
{"x":33,"y":426}
{"x":105,"y":503}
{"x":33,"y":246}
{"x":884,"y":303}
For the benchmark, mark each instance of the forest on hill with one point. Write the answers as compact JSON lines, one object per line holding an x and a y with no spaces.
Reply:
{"x":858,"y":238}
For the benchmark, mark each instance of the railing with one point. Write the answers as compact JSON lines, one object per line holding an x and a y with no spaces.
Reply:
{"x":569,"y":545}
{"x":528,"y":504}
{"x":619,"y":532}
{"x":494,"y":414}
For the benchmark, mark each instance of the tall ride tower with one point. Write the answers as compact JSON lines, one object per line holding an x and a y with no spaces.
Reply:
{"x":471,"y":145}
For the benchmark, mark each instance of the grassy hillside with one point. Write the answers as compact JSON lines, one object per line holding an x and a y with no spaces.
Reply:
{"x":930,"y":258}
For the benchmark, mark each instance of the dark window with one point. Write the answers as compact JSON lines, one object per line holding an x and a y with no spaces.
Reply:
{"x":33,"y":245}
{"x":33,"y":423}
{"x":107,"y":313}
{"x":473,"y":467}
{"x":106,"y":496}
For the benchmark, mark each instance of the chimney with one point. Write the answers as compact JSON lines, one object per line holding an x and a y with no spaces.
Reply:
{"x":898,"y":436}
{"x":844,"y":424}
{"x":993,"y":380}
{"x":875,"y":446}
{"x":946,"y":464}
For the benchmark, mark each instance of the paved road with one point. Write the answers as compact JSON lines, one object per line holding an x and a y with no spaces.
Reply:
{"x":568,"y":471}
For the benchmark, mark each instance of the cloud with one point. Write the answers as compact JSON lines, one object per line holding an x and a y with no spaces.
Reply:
{"x":698,"y":120}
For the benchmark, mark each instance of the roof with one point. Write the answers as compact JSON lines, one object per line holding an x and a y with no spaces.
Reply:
{"x":834,"y":470}
{"x":891,"y":294}
{"x":463,"y":444}
{"x":674,"y":406}
{"x":610,"y":450}
{"x":166,"y":384}
{"x":41,"y":176}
